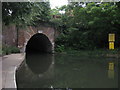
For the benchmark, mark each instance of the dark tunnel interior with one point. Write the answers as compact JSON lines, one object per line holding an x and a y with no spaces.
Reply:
{"x":38,"y":43}
{"x":38,"y":53}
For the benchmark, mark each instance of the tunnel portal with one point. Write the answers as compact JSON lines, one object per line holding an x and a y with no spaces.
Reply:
{"x":39,"y":43}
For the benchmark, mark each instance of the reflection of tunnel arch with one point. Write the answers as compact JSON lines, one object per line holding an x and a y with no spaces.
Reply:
{"x":39,"y":43}
{"x":39,"y":63}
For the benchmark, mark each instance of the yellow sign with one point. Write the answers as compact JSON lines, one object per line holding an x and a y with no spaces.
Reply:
{"x":111,"y":37}
{"x":111,"y":66}
{"x":111,"y":45}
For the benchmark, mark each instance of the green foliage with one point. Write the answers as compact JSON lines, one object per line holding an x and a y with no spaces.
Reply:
{"x":60,"y":48}
{"x":76,"y":40}
{"x":54,"y":11}
{"x":10,"y":49}
{"x":88,"y":27}
{"x":25,"y":13}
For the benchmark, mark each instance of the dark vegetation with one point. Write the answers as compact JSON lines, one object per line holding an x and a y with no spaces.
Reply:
{"x":25,"y":13}
{"x":87,"y":28}
{"x":9,"y":49}
{"x":83,"y":26}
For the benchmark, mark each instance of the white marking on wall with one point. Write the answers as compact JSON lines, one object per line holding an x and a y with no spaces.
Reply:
{"x":40,"y":31}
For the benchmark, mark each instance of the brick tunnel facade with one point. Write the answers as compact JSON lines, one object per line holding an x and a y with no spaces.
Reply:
{"x":42,"y":35}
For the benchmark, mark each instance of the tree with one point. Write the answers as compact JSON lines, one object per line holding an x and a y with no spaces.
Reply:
{"x":25,"y":13}
{"x":90,"y":24}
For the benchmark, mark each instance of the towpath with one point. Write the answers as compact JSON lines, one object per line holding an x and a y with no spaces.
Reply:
{"x":9,"y":63}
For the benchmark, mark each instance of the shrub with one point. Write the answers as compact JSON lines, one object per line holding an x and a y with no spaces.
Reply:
{"x":60,"y":48}
{"x":9,"y":49}
{"x":15,"y":50}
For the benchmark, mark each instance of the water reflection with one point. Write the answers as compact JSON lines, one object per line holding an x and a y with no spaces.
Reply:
{"x":111,"y":70}
{"x":39,"y":63}
{"x":36,"y":71}
{"x":111,"y":66}
{"x":72,"y":71}
{"x":111,"y":74}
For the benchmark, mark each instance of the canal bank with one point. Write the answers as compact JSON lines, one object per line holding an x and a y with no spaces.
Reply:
{"x":9,"y":65}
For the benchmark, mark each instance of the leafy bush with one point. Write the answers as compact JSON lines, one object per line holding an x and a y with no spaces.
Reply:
{"x":62,"y":40}
{"x":10,"y":49}
{"x":89,"y":26}
{"x":60,"y":48}
{"x":15,"y":50}
{"x":75,"y":39}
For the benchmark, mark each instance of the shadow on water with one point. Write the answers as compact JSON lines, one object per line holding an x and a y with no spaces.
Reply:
{"x":39,"y":63}
{"x":36,"y":71}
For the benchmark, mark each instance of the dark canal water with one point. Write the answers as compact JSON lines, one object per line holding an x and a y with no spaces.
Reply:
{"x":67,"y":71}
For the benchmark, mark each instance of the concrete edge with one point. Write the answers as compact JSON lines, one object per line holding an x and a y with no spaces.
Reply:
{"x":15,"y":69}
{"x":15,"y":77}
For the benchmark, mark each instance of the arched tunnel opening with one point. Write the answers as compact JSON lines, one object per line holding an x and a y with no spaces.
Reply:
{"x":39,"y":43}
{"x":39,"y":53}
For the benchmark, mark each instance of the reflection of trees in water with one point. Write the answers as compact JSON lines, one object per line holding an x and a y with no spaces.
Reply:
{"x":36,"y":70}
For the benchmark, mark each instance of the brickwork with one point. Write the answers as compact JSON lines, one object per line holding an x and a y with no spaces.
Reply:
{"x":21,"y":38}
{"x":11,"y":38}
{"x":9,"y":35}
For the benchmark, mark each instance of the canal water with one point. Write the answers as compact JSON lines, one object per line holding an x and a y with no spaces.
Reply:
{"x":67,"y":71}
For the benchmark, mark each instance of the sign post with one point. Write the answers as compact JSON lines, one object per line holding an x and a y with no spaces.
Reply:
{"x":111,"y":39}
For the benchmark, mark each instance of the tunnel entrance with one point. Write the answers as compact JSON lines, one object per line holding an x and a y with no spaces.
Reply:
{"x":38,"y":53}
{"x":39,"y":43}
